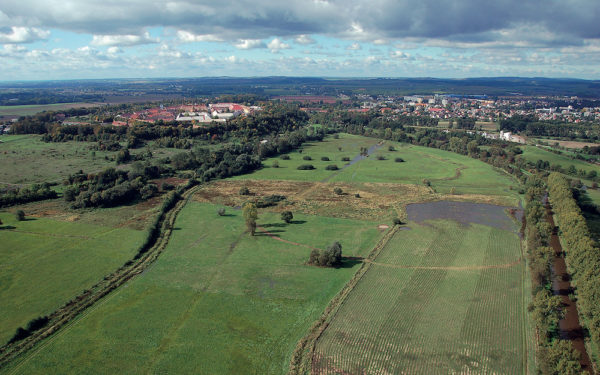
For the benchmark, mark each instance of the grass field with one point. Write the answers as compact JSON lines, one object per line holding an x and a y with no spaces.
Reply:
{"x":533,"y":154}
{"x":48,"y":259}
{"x":445,"y":170}
{"x":29,"y":110}
{"x":215,"y":294}
{"x":440,"y":298}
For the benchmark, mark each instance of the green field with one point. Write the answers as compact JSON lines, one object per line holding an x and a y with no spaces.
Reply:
{"x":533,"y":154}
{"x":440,"y":298}
{"x":217,"y":300}
{"x":46,"y":261}
{"x":445,"y":170}
{"x":29,"y":110}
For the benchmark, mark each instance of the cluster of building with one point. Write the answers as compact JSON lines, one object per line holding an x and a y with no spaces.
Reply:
{"x":189,"y":113}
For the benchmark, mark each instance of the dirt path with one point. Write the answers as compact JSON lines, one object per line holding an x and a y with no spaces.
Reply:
{"x":263,"y":230}
{"x":569,"y":327}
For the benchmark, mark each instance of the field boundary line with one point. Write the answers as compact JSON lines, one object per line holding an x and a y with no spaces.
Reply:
{"x":90,"y":297}
{"x":302,"y":357}
{"x":449,"y":268}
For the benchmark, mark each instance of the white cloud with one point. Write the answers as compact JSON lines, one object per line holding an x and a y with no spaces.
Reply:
{"x":354,"y":47}
{"x":20,"y":34}
{"x":114,"y":50}
{"x":400,"y":55}
{"x":249,"y":44}
{"x":304,"y":39}
{"x":188,"y":37}
{"x":276,"y":45}
{"x":123,"y":40}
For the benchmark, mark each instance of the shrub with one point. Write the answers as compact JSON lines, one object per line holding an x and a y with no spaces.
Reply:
{"x":397,"y":221}
{"x":306,"y":157}
{"x":275,"y":164}
{"x":244,"y":191}
{"x":285,"y":157}
{"x":391,"y":148}
{"x":305,"y":167}
{"x":221,"y":212}
{"x":287,"y":216}
{"x":380,"y":157}
{"x":324,"y":158}
{"x":345,"y":158}
{"x":338,"y":191}
{"x":399,"y":160}
{"x":20,"y":215}
{"x":357,"y":195}
{"x":332,"y":167}
{"x":330,"y":257}
{"x":270,"y":200}
{"x":426,"y":182}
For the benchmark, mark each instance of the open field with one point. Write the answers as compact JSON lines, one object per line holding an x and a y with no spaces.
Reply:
{"x":13,"y":111}
{"x":445,"y":170}
{"x":440,"y":298}
{"x":215,"y":293}
{"x":567,"y":144}
{"x":26,"y":159}
{"x":219,"y":301}
{"x":533,"y":154}
{"x":53,"y":255}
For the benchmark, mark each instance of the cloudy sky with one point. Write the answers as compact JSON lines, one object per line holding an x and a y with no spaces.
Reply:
{"x":65,"y":39}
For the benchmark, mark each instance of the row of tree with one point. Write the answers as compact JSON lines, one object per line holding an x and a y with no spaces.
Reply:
{"x":581,"y":251}
{"x":556,"y":356}
{"x":18,"y":195}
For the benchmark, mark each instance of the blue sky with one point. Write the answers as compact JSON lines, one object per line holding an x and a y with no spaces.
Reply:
{"x":67,"y":39}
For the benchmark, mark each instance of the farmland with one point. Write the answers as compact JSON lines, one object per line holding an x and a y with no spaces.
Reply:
{"x":533,"y":154}
{"x":14,"y":111}
{"x":220,"y":301}
{"x":440,"y":298}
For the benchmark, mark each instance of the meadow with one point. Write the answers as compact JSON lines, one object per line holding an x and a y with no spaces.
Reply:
{"x":215,"y":293}
{"x":533,"y":154}
{"x":440,"y":298}
{"x":55,"y":254}
{"x":220,"y":301}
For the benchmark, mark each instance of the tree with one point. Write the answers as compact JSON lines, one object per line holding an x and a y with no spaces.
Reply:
{"x":338,"y":191}
{"x":20,"y":215}
{"x":330,"y":257}
{"x":221,"y":211}
{"x":244,"y":190}
{"x":250,"y":213}
{"x":287,"y":216}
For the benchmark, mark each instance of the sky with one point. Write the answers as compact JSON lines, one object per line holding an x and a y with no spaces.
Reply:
{"x":80,"y":39}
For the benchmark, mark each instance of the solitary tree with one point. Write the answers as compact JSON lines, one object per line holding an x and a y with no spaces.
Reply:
{"x":20,"y":214}
{"x":287,"y":216}
{"x":338,"y":191}
{"x":250,"y":215}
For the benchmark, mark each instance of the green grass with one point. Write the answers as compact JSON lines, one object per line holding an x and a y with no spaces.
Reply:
{"x":415,"y":312}
{"x":438,"y":166}
{"x":533,"y":154}
{"x":29,"y":110}
{"x":218,"y":301}
{"x":46,"y":262}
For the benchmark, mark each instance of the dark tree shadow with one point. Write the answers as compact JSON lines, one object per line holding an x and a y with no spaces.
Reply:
{"x":297,"y":221}
{"x":7,"y":227}
{"x":349,"y":262}
{"x":257,"y":234}
{"x":274,"y":225}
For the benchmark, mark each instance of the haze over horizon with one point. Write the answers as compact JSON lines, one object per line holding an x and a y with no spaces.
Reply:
{"x":45,"y":40}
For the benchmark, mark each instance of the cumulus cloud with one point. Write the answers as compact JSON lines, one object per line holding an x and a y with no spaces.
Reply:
{"x":276,"y":45}
{"x":354,"y":47}
{"x":250,"y":44}
{"x":304,"y":39}
{"x":18,"y":34}
{"x":188,"y":37}
{"x":123,"y":40}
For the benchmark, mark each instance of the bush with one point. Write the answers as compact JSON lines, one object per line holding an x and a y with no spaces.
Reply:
{"x":391,"y":148}
{"x":380,"y":157}
{"x":244,"y":191}
{"x":270,"y":200}
{"x":305,"y":167}
{"x":338,"y":191}
{"x":20,"y":215}
{"x":330,"y":257}
{"x":399,"y":160}
{"x":306,"y":157}
{"x":357,"y":195}
{"x":332,"y":167}
{"x":285,"y":157}
{"x":287,"y":216}
{"x":324,"y":158}
{"x":275,"y":164}
{"x":397,"y":221}
{"x":426,"y":182}
{"x":345,"y":158}
{"x":221,"y":212}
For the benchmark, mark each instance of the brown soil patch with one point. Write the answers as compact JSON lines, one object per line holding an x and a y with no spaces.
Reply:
{"x":375,"y":201}
{"x":383,"y":226}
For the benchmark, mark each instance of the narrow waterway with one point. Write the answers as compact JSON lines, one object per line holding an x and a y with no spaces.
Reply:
{"x":569,"y":327}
